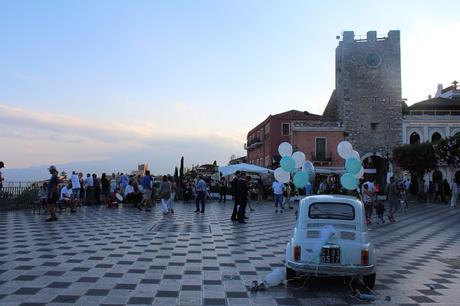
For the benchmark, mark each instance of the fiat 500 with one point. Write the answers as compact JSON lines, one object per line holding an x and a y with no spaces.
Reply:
{"x":330,"y":239}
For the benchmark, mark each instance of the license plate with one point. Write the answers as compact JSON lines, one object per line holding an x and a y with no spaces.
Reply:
{"x":330,"y":255}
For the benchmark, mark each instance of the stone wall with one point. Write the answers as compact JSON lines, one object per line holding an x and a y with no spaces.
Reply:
{"x":368,"y":88}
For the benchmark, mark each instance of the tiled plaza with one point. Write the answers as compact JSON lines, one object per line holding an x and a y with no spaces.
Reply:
{"x":124,"y":256}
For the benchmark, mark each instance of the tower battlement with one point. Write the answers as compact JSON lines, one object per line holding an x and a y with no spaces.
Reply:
{"x":371,"y":36}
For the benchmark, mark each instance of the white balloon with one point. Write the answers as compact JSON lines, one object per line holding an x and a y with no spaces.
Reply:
{"x":360,"y":174}
{"x":308,"y":167}
{"x":285,"y":149}
{"x":345,"y":149}
{"x":355,"y":154}
{"x":299,"y":159}
{"x":282,"y":176}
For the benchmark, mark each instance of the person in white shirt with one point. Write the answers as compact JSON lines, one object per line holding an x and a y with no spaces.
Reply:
{"x":278,"y":195}
{"x":67,"y":196}
{"x":89,"y":182}
{"x":75,"y":186}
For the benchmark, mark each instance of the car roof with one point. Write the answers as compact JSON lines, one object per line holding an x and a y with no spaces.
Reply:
{"x":335,"y":198}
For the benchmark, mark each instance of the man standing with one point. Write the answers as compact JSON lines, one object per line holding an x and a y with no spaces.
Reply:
{"x":234,"y":195}
{"x":242,"y":197}
{"x":222,"y":190}
{"x":2,"y":165}
{"x":147,"y":191}
{"x":52,"y":194}
{"x":278,"y":195}
{"x":75,"y":186}
{"x":393,"y":199}
{"x":89,"y":182}
{"x":200,"y":189}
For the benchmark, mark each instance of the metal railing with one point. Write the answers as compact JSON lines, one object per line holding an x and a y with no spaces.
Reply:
{"x":15,"y":195}
{"x":434,"y":112}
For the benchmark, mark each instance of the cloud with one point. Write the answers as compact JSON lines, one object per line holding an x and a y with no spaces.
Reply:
{"x":47,"y":138}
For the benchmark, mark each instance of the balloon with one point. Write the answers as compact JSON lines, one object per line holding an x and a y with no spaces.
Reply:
{"x":287,"y":163}
{"x":353,"y":165}
{"x":299,"y":158}
{"x":345,"y":149}
{"x":348,"y":181}
{"x":360,"y":174}
{"x":308,"y":167}
{"x":282,"y":176}
{"x":355,"y":154}
{"x":300,"y":179}
{"x":285,"y":149}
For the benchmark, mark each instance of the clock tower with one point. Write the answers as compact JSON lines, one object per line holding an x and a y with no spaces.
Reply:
{"x":367,"y":100}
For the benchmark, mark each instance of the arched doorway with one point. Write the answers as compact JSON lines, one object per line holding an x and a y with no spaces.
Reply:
{"x":457,"y":176}
{"x":437,"y":176}
{"x":376,"y":168}
{"x":436,"y":137}
{"x":414,"y":138}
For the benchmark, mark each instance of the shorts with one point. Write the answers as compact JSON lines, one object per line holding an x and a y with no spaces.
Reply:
{"x":394,"y":204}
{"x":147,"y":194}
{"x":52,"y":199}
{"x":76,"y":193}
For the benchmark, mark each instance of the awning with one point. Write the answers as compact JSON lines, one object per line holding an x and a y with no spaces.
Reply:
{"x":231,"y":169}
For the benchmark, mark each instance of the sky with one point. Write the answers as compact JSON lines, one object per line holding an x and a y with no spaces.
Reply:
{"x":105,"y":85}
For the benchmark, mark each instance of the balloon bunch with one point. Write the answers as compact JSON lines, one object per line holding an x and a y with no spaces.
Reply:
{"x":293,"y":163}
{"x":353,"y":167}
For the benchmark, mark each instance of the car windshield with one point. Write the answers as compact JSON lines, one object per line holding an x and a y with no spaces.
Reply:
{"x":338,"y":211}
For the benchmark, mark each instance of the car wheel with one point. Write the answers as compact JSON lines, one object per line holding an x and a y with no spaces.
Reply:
{"x":290,"y":274}
{"x":369,"y":280}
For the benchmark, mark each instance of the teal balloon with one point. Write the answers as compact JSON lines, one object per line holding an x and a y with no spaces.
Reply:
{"x":348,"y":181}
{"x":353,"y":165}
{"x":300,"y":179}
{"x":287,"y":163}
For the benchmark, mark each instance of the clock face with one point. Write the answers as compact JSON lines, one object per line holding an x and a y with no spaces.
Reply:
{"x":373,"y":59}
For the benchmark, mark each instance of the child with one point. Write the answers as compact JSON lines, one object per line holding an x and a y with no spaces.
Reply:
{"x":379,"y":210}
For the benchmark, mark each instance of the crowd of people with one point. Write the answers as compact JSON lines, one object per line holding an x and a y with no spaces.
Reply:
{"x":109,"y":190}
{"x":143,"y":191}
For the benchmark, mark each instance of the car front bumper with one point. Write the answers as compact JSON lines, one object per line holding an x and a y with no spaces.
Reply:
{"x":331,"y":269}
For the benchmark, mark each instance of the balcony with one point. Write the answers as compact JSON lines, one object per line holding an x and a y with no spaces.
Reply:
{"x":254,"y":143}
{"x":324,"y":160}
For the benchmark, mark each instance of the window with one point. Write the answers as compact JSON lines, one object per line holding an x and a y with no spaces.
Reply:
{"x":414,"y":138}
{"x":338,"y":211}
{"x":286,"y":129}
{"x":267,"y":161}
{"x":374,"y":126}
{"x":436,"y":137}
{"x":320,"y":150}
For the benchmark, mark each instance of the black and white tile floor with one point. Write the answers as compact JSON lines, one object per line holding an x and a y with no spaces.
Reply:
{"x":123,"y":256}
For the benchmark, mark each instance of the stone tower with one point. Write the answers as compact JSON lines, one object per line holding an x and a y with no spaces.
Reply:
{"x":367,"y":99}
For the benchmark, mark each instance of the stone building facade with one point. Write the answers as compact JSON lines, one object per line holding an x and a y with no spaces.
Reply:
{"x":367,"y":98}
{"x":434,"y":119}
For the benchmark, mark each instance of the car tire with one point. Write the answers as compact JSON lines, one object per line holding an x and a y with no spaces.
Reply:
{"x":290,"y":274}
{"x":369,"y":280}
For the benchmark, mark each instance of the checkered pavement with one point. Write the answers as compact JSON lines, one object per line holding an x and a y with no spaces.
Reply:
{"x":123,"y":256}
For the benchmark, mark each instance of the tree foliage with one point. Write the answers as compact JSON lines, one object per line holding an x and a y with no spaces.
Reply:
{"x":417,"y":158}
{"x":447,"y":151}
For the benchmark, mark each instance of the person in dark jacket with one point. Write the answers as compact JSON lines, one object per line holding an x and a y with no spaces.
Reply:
{"x":234,"y":184}
{"x":242,"y":197}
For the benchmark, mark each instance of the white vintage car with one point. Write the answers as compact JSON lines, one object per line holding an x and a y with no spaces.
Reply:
{"x":330,"y":239}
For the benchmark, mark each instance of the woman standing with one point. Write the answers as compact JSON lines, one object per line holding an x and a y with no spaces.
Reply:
{"x":105,"y":189}
{"x":173,"y":194}
{"x":455,"y":187}
{"x":165,"y":194}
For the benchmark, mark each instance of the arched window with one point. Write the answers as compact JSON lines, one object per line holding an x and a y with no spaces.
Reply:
{"x":436,"y":137}
{"x":457,"y":134}
{"x":414,"y":138}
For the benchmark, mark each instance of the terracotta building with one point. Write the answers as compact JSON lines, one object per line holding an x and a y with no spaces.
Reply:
{"x":318,"y":141}
{"x":263,"y":140}
{"x":303,"y":130}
